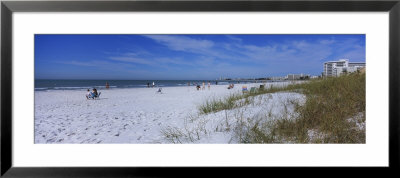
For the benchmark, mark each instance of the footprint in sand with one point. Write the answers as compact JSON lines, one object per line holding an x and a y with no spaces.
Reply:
{"x":50,"y":140}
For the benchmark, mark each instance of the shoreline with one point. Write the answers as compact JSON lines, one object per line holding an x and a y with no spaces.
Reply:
{"x":145,"y":86}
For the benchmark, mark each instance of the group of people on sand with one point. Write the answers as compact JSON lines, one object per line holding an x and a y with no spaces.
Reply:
{"x":148,"y":85}
{"x":203,"y":87}
{"x":92,"y":94}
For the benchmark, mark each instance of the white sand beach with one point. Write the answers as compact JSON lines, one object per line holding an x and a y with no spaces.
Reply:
{"x":141,"y":115}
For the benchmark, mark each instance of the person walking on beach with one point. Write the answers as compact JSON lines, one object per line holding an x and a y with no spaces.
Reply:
{"x":148,"y":85}
{"x":107,"y":85}
{"x":153,"y":84}
{"x":209,"y":85}
{"x":204,"y":86}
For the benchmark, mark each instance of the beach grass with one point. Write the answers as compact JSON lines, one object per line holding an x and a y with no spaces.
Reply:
{"x":334,"y":112}
{"x":215,"y":105}
{"x":334,"y":109}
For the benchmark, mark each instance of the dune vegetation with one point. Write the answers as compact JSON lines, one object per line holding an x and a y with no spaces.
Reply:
{"x":333,"y":112}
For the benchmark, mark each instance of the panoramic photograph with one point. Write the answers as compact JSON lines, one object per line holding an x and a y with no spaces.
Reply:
{"x":199,"y":88}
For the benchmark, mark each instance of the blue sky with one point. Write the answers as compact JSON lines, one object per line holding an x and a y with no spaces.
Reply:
{"x":182,"y":57}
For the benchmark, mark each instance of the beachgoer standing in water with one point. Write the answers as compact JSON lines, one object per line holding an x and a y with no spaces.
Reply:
{"x":107,"y":85}
{"x":209,"y":85}
{"x":204,"y":86}
{"x":154,"y":84}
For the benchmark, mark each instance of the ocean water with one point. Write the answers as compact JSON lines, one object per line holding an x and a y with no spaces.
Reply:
{"x":100,"y":84}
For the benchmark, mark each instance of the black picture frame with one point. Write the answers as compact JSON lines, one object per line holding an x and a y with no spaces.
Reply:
{"x":8,"y":7}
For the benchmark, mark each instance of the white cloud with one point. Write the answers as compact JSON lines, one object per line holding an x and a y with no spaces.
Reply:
{"x":327,"y":42}
{"x":132,"y":60}
{"x":78,"y":63}
{"x":291,"y":51}
{"x":181,"y":43}
{"x":177,"y":61}
{"x":234,"y":55}
{"x":234,"y":38}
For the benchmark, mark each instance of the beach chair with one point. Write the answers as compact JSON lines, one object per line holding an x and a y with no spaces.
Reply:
{"x":244,"y":89}
{"x":97,"y":96}
{"x":252,"y":89}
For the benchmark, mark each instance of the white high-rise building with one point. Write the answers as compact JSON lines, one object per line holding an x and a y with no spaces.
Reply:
{"x":336,"y":68}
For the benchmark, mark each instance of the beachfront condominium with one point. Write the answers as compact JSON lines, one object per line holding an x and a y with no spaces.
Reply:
{"x":337,"y":68}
